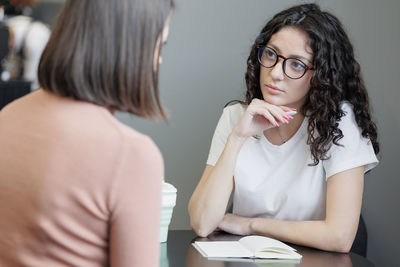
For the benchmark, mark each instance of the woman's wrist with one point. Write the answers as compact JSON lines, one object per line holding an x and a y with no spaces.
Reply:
{"x":236,"y":140}
{"x":252,"y":226}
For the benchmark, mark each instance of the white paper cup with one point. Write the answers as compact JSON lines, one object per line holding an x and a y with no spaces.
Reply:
{"x":168,"y":204}
{"x":164,"y":255}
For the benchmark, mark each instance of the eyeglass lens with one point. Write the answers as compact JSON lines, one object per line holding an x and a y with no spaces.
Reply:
{"x":293,"y":68}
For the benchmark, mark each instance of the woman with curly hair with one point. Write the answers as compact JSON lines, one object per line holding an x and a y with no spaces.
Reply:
{"x":296,"y":150}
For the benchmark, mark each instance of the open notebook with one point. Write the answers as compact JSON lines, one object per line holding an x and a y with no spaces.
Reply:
{"x":247,"y":247}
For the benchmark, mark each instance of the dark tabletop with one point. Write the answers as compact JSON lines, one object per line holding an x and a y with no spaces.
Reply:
{"x":178,"y":252}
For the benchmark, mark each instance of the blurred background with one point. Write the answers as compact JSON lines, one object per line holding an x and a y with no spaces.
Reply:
{"x":203,"y":67}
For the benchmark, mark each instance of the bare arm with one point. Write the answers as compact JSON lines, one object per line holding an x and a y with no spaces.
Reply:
{"x":335,"y":233}
{"x":209,"y":200}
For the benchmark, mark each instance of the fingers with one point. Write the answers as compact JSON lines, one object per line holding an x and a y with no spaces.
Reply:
{"x":280,"y":114}
{"x":274,"y":114}
{"x":266,"y":114}
{"x":287,"y":109}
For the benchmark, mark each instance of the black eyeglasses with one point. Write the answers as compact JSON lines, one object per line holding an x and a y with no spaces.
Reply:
{"x":292,"y":67}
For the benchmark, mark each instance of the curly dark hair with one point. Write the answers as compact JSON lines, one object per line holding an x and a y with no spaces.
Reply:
{"x":336,"y":77}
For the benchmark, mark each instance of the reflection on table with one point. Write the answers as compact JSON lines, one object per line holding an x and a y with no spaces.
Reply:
{"x":178,"y":252}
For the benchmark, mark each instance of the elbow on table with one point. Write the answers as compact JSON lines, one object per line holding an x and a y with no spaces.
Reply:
{"x":199,"y":222}
{"x":200,"y":229}
{"x":200,"y":225}
{"x":341,"y":248}
{"x":341,"y":242}
{"x":201,"y":232}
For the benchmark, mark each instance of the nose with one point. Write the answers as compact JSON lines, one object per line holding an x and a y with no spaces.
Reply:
{"x":277,"y":70}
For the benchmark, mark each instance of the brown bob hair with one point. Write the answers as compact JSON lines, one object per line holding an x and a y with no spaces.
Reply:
{"x":102,"y":51}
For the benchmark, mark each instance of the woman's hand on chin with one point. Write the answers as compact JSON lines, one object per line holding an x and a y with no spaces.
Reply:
{"x":235,"y":224}
{"x":260,"y":116}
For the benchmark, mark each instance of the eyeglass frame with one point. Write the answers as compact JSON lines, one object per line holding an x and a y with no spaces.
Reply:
{"x":263,"y":47}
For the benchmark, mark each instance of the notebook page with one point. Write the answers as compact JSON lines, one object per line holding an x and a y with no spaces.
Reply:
{"x":224,"y":249}
{"x":259,"y":243}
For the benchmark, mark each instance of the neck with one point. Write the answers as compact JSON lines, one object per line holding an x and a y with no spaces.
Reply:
{"x":280,"y":135}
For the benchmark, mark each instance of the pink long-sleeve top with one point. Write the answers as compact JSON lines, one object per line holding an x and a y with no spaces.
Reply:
{"x":77,"y":187}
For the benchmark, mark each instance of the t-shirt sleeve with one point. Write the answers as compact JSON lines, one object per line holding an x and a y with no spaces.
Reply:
{"x":227,"y":121}
{"x":355,"y":151}
{"x":135,"y":205}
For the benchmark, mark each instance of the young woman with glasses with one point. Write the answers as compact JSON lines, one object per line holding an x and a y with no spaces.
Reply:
{"x":294,"y":153}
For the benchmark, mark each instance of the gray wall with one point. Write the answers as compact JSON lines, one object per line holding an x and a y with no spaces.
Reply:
{"x":204,"y":63}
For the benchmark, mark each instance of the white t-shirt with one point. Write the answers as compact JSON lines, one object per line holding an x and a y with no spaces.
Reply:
{"x":275,"y":181}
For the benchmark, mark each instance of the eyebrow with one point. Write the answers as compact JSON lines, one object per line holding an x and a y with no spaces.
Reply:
{"x":290,"y":56}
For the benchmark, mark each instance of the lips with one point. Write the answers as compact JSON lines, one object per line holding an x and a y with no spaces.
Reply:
{"x":273,"y":90}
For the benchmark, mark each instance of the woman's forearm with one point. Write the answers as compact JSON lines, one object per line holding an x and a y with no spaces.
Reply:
{"x":325,"y":235}
{"x":208,"y":203}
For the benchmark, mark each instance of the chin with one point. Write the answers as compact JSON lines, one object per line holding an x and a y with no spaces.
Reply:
{"x":281,"y":100}
{"x":275,"y":100}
